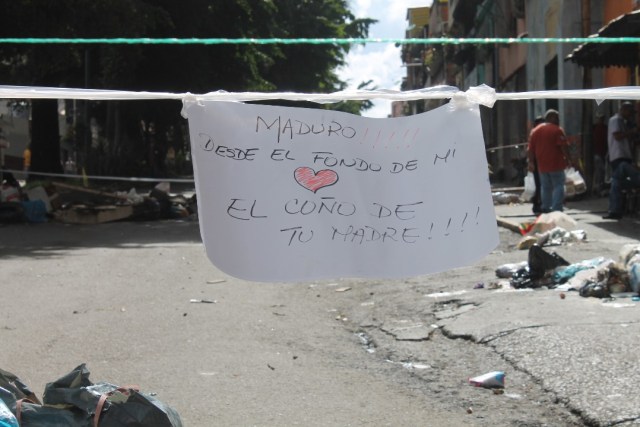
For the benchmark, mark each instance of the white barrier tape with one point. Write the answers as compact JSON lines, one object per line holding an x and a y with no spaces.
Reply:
{"x":482,"y":94}
{"x":96,"y":177}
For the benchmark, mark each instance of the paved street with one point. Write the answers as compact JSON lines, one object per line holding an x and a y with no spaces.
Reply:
{"x":118,"y":297}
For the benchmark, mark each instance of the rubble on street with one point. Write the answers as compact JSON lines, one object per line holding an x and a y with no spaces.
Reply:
{"x":37,"y":202}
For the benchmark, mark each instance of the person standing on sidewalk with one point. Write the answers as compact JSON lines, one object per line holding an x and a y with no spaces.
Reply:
{"x":536,"y":201}
{"x":600,"y":149}
{"x":548,"y":151}
{"x":620,"y":136}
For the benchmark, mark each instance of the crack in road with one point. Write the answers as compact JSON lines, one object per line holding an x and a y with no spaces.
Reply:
{"x":507,"y":332}
{"x":587,"y":420}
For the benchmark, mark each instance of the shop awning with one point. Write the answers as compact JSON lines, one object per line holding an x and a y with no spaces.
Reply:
{"x":611,"y":54}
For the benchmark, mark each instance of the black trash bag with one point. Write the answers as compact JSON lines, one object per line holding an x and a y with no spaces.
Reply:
{"x":26,"y":407}
{"x":74,"y":401}
{"x":31,"y":414}
{"x":594,"y":289}
{"x":148,"y":210}
{"x":12,"y":212}
{"x":128,"y":407}
{"x":77,"y":390}
{"x":16,"y":387}
{"x":521,"y":279}
{"x":110,"y":405}
{"x":66,"y":402}
{"x":163,"y":200}
{"x":540,"y":262}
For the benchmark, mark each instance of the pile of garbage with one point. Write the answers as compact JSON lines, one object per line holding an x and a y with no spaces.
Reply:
{"x":74,"y":401}
{"x":574,"y":186}
{"x":38,"y":202}
{"x":504,"y":198}
{"x":598,"y":277}
{"x":550,"y":229}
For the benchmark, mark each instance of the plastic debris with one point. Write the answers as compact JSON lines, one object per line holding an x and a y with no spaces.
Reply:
{"x":565,"y":273}
{"x":445,"y":294}
{"x":630,"y":257}
{"x":493,"y":379}
{"x":594,"y":289}
{"x":506,"y":271}
{"x":554,"y":237}
{"x":526,"y":242}
{"x":7,"y":419}
{"x":539,"y":269}
{"x":551,"y":220}
{"x":502,"y":198}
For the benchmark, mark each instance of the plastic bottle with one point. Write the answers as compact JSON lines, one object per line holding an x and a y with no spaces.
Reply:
{"x":489,"y":380}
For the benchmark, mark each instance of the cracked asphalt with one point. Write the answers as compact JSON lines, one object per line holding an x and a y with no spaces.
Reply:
{"x":568,"y":361}
{"x":128,"y":299}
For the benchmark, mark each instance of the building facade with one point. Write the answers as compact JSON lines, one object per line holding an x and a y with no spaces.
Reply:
{"x":523,"y":67}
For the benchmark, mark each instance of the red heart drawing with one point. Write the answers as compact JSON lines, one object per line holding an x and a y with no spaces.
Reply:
{"x":312,"y":180}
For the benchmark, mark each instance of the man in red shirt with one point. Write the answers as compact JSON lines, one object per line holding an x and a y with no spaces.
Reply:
{"x":548,"y":150}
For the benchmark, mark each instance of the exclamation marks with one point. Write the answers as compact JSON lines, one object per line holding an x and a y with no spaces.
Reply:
{"x":377,"y":139}
{"x":393,"y":134}
{"x":447,"y":231}
{"x":364,"y":137}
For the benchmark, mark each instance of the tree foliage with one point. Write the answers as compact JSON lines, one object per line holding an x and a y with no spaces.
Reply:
{"x":125,"y":143}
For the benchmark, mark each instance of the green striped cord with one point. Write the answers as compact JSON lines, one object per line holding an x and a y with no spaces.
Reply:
{"x":319,"y":41}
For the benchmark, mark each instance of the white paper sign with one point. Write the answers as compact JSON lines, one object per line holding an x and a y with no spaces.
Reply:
{"x":294,"y":194}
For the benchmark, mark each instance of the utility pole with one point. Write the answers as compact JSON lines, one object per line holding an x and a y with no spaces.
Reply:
{"x":587,"y":119}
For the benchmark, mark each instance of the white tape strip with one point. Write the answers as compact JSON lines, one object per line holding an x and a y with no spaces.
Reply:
{"x":482,"y":94}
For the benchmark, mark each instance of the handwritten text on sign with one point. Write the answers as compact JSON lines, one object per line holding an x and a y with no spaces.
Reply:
{"x":290,"y":194}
